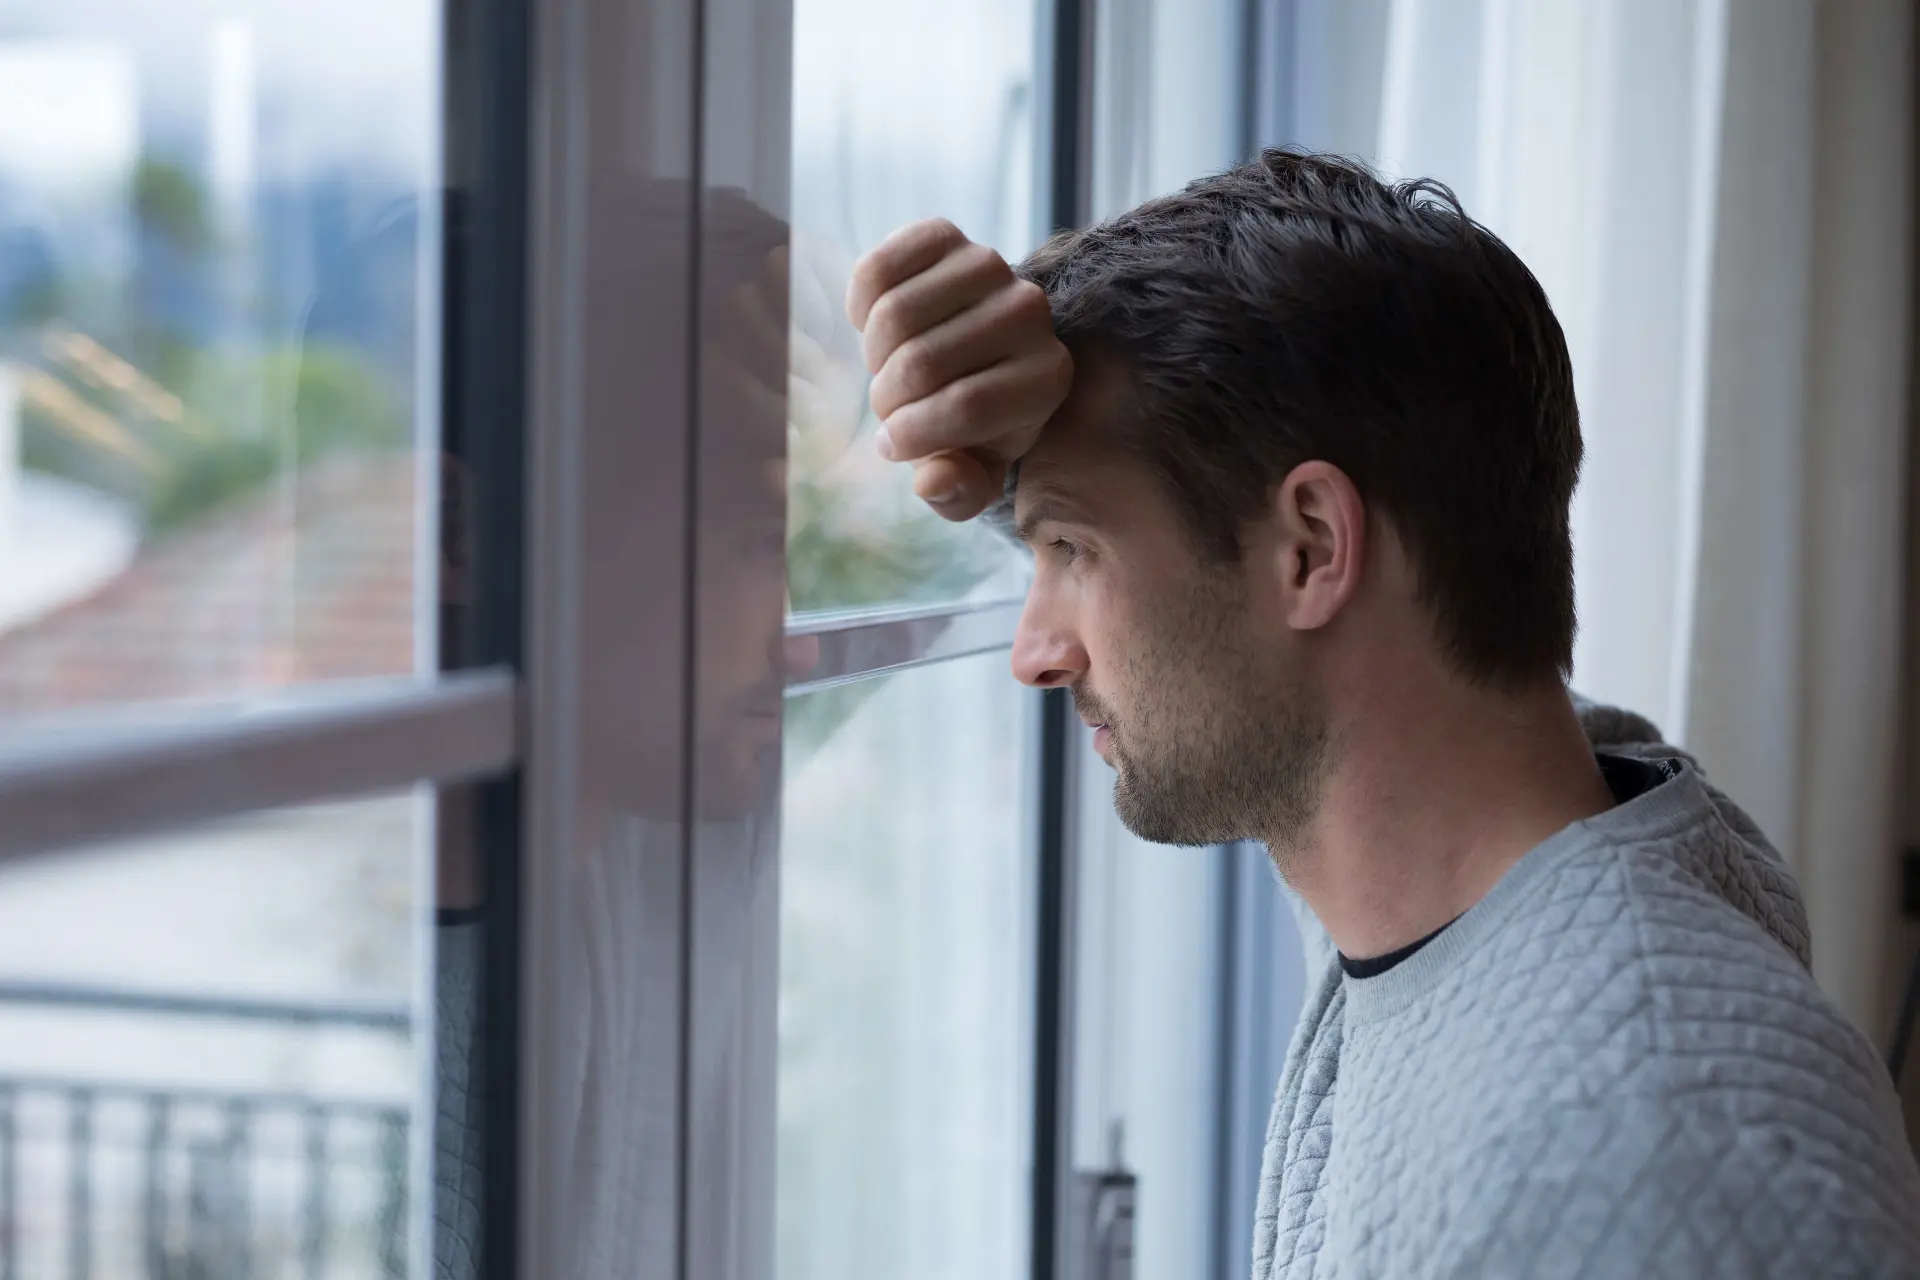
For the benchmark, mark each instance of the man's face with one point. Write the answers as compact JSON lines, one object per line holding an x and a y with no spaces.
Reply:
{"x":1203,"y":706}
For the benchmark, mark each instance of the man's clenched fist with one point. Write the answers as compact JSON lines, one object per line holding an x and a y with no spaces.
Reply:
{"x":967,"y":367}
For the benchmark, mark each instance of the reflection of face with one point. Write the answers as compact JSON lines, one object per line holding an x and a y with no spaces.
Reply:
{"x":1210,"y":720}
{"x":635,"y":530}
{"x":743,"y":659}
{"x":741,"y":656}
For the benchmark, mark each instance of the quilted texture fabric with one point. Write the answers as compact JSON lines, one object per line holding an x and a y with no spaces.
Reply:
{"x":1616,"y":1064}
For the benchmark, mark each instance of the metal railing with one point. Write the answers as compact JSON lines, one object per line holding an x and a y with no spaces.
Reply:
{"x":109,"y":1180}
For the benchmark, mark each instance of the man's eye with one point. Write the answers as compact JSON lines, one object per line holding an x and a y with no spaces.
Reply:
{"x":1071,"y":550}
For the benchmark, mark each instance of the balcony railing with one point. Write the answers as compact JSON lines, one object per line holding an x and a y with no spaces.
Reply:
{"x":112,"y":1181}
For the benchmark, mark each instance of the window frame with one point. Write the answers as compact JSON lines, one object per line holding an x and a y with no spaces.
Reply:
{"x":111,"y":773}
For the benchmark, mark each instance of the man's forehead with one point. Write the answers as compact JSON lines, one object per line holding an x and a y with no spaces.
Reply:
{"x":1050,"y":489}
{"x":1078,"y":447}
{"x":1063,"y":470}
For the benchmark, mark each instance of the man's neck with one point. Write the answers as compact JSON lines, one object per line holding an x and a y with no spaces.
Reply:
{"x":1433,"y":794}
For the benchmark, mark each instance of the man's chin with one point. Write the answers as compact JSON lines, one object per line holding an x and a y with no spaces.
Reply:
{"x":1152,"y":819}
{"x":1154,"y":829}
{"x":1163,"y":810}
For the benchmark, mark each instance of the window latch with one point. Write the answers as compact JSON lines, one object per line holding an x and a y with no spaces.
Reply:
{"x":1104,"y":1205}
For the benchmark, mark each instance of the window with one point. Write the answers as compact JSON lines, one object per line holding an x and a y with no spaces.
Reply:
{"x":908,"y":873}
{"x":216,"y":346}
{"x":225,"y":489}
{"x":901,"y":111}
{"x":208,"y":1051}
{"x":906,"y":977}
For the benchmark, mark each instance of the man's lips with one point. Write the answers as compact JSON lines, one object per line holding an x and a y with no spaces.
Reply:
{"x":1090,"y":717}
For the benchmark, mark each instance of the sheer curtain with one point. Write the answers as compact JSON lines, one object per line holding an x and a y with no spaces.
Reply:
{"x":1715,"y":194}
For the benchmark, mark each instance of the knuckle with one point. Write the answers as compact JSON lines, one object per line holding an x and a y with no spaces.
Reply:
{"x":981,"y":260}
{"x":864,"y":282}
{"x":883,"y":319}
{"x":1059,"y":366}
{"x":916,"y":366}
{"x":936,"y":474}
{"x":880,"y":395}
{"x":967,"y":402}
{"x":907,"y":427}
{"x":942,"y":231}
{"x":1031,"y":301}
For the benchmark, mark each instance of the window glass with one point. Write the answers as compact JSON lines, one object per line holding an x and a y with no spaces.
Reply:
{"x":213,"y":259}
{"x":902,"y":109}
{"x":906,"y":978}
{"x":1147,"y":1033}
{"x":208,"y":1064}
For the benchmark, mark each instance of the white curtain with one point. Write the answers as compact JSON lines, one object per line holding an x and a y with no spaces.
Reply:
{"x":1715,"y":195}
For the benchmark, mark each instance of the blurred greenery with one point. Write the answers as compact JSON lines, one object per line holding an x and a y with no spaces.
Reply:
{"x":219,"y":450}
{"x":829,"y":566}
{"x":340,"y":404}
{"x":170,"y":202}
{"x":228,"y":432}
{"x":837,"y":562}
{"x":37,"y":302}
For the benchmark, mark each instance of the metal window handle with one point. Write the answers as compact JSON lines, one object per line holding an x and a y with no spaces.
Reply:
{"x":1105,"y":1203}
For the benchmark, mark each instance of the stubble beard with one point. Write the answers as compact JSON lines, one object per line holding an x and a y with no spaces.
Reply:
{"x":1255,"y":780}
{"x":1218,"y":746}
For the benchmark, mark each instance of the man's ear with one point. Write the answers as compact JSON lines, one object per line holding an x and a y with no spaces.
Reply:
{"x":1318,"y":543}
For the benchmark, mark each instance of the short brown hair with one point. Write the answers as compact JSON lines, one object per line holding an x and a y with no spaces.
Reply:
{"x":1297,"y":307}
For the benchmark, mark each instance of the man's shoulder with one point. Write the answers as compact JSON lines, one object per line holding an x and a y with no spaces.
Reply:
{"x":1662,"y":896}
{"x":1631,"y":969}
{"x":1678,"y":947}
{"x":1668,"y":1050}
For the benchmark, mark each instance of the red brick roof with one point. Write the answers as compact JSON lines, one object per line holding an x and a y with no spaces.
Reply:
{"x":311,"y":580}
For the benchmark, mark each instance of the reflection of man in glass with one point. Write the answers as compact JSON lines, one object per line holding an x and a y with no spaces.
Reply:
{"x":620,"y":1157}
{"x":1294,"y":451}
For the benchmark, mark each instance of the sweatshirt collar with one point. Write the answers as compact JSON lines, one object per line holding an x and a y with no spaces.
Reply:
{"x":1662,"y":811}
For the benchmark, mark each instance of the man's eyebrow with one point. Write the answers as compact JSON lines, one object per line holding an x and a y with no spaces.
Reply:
{"x":1037,"y":513}
{"x":1047,"y":503}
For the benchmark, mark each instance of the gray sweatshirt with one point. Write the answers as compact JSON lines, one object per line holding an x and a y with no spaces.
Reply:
{"x":1616,"y":1064}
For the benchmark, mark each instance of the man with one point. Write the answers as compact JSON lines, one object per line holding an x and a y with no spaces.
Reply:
{"x":1293,"y":450}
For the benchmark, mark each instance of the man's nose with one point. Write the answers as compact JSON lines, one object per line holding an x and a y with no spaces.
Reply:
{"x":1045,"y":655}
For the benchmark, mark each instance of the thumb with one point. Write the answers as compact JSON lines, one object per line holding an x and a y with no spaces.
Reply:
{"x":959,"y":486}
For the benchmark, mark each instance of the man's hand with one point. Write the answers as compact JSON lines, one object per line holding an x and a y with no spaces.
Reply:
{"x":967,"y":367}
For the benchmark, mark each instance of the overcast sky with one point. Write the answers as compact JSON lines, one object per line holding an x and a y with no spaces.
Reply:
{"x":355,"y":80}
{"x":349,"y":81}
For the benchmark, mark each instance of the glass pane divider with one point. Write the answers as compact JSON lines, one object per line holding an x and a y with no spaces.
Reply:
{"x":90,"y":778}
{"x":88,"y":997}
{"x":855,"y":646}
{"x":827,"y":623}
